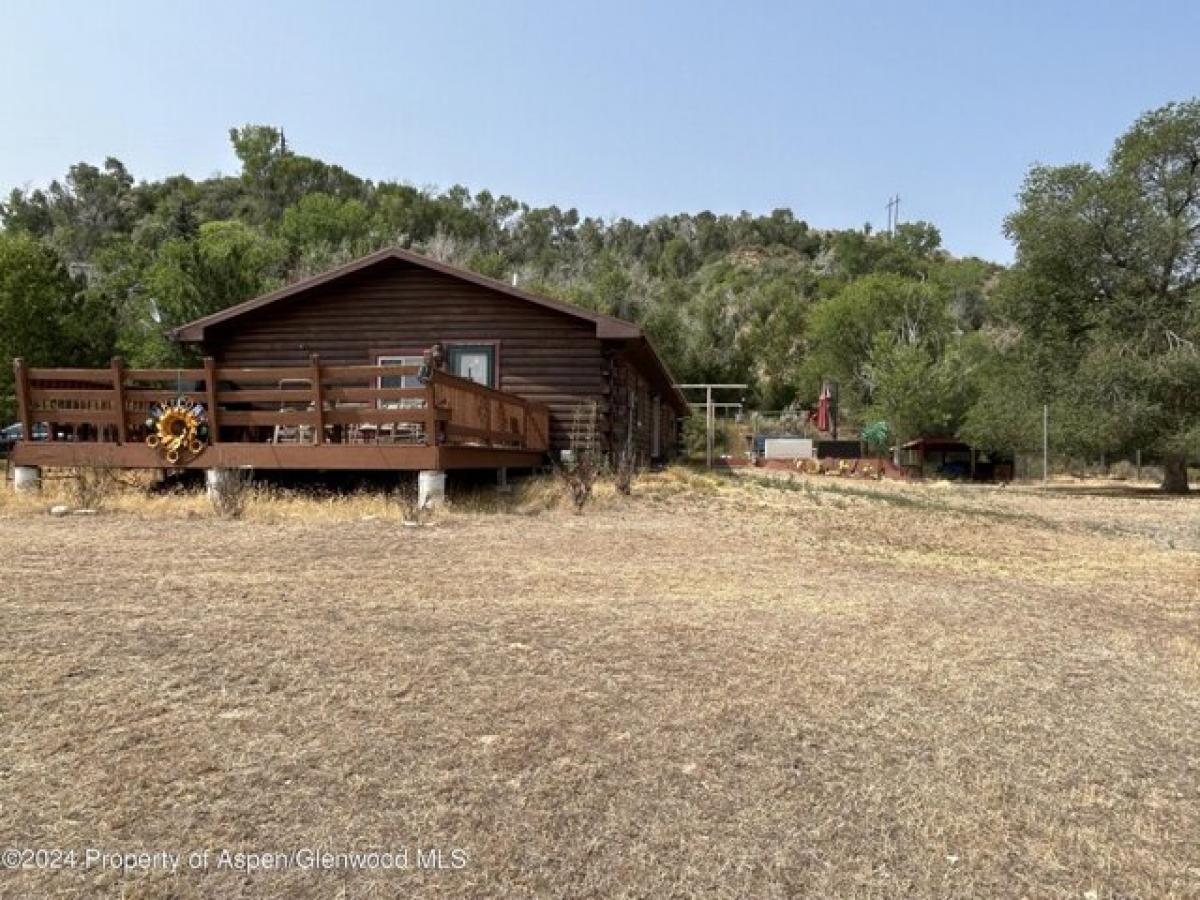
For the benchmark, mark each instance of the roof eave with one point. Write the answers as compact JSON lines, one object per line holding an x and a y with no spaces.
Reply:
{"x":673,"y":394}
{"x":616,"y":330}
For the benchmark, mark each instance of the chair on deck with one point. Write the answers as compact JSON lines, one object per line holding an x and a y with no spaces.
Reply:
{"x":402,"y":432}
{"x":294,"y":434}
{"x":408,"y":432}
{"x":356,"y":432}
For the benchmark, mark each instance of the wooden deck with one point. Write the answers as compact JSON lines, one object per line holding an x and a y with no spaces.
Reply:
{"x":301,"y":417}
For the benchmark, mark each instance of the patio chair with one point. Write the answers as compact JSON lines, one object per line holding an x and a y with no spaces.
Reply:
{"x":294,"y":434}
{"x":402,"y":432}
{"x":356,"y":432}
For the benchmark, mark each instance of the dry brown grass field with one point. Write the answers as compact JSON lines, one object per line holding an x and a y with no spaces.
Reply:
{"x":718,"y":687}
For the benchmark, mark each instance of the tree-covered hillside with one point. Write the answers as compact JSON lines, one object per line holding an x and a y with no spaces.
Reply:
{"x":118,"y":262}
{"x":1099,"y":317}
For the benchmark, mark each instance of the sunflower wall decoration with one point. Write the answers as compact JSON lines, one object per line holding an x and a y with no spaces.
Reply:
{"x":178,"y":428}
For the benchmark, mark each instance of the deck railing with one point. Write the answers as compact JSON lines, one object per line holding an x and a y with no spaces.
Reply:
{"x":316,"y":403}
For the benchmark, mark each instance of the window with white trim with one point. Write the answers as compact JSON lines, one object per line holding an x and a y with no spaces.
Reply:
{"x":401,"y":381}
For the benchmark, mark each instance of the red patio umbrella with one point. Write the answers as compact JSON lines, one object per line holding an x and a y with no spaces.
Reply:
{"x":823,"y":408}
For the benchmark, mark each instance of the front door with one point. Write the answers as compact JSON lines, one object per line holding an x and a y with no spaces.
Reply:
{"x":476,"y":362}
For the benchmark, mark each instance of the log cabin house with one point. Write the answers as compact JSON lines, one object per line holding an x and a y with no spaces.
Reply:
{"x":393,"y":361}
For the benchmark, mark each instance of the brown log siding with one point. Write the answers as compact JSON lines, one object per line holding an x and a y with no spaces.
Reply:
{"x":633,"y":398}
{"x":543,"y":355}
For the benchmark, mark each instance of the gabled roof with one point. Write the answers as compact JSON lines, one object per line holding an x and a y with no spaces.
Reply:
{"x":607,"y":327}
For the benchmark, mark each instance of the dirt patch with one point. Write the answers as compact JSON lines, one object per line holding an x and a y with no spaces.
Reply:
{"x":714,"y":688}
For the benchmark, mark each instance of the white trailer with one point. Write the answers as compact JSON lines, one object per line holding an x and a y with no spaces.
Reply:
{"x":788,"y":448}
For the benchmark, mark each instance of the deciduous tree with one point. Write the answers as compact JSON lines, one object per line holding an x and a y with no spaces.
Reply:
{"x":1106,"y":290}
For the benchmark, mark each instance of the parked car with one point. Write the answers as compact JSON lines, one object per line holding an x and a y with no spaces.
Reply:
{"x":12,"y":433}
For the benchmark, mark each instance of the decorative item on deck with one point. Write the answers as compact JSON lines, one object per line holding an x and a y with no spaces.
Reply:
{"x":177,"y":427}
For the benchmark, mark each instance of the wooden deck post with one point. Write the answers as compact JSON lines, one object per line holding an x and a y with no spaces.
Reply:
{"x":318,"y":399}
{"x":210,"y":398}
{"x":431,"y":411}
{"x":24,"y":410}
{"x":118,"y":377}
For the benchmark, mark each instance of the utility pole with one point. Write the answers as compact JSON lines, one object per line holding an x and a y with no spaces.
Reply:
{"x":708,"y":422}
{"x":1045,"y":442}
{"x":893,"y":214}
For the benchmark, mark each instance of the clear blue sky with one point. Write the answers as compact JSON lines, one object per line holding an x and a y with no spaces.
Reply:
{"x":615,"y":108}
